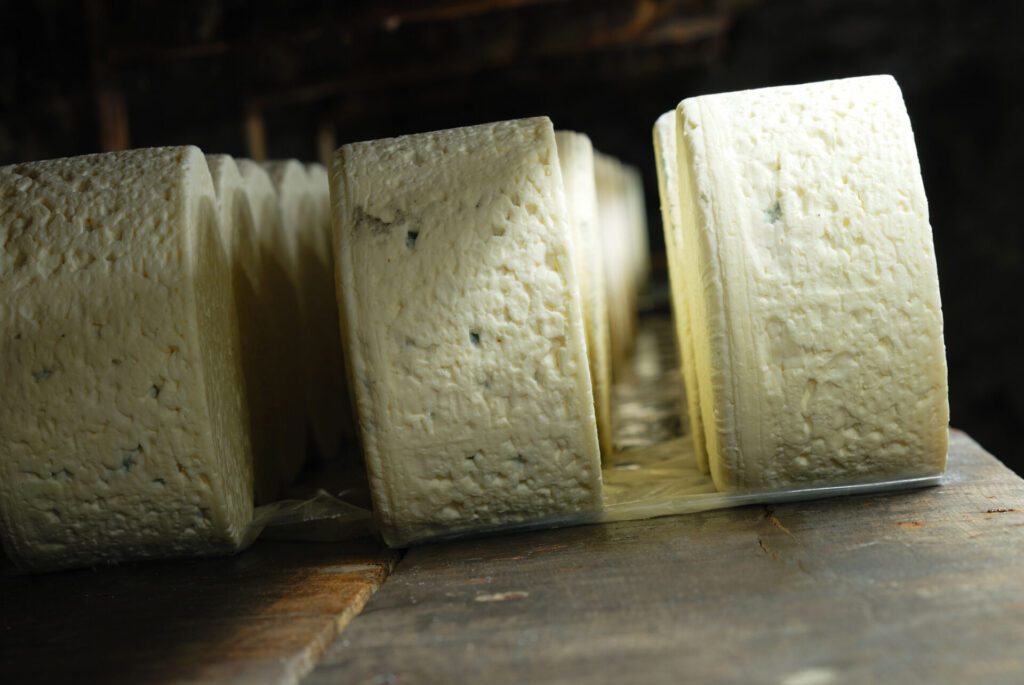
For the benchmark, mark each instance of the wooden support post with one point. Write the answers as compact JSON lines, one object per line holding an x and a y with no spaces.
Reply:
{"x":326,"y":140}
{"x":111,"y":107}
{"x":255,"y":133}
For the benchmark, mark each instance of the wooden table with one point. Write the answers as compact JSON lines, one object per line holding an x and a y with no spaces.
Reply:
{"x":926,"y":586}
{"x":264,"y":616}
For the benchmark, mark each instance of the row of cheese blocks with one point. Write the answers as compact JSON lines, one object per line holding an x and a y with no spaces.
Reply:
{"x":469,"y":264}
{"x":803,"y":276}
{"x":610,"y":253}
{"x":171,"y":333}
{"x":275,"y":223}
{"x":169,"y":347}
{"x":804,"y":285}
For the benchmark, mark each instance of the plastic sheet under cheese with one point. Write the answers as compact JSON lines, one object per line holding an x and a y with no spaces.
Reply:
{"x":651,"y":482}
{"x":654,"y":473}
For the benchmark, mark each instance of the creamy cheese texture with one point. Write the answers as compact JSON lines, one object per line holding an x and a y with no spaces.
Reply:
{"x":463,"y":328}
{"x":123,"y":426}
{"x":282,"y":377}
{"x":671,"y":219}
{"x":576,"y":160}
{"x":813,"y":284}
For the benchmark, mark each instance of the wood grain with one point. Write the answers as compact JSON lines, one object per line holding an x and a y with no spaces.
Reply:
{"x":925,"y":586}
{"x":264,"y":616}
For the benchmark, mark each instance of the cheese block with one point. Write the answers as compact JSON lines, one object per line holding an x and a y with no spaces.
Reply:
{"x":463,"y":329}
{"x":640,"y":248}
{"x":330,"y":411}
{"x":576,"y":161}
{"x":251,"y":308}
{"x":279,"y":322}
{"x":816,"y":313}
{"x":123,"y":425}
{"x":671,"y":219}
{"x":620,"y":279}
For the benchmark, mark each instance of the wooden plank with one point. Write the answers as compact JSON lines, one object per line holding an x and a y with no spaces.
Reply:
{"x":924,"y":586}
{"x":264,"y":616}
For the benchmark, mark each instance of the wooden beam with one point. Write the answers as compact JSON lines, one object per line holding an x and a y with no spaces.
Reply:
{"x":647,"y":29}
{"x":452,"y":10}
{"x":326,"y":140}
{"x":255,"y":132}
{"x":111,"y":106}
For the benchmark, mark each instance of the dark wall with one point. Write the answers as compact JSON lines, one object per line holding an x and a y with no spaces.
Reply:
{"x":192,"y":71}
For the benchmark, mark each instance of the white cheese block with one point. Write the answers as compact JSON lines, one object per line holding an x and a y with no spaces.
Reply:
{"x":817,"y":320}
{"x":123,"y":427}
{"x":620,"y":278}
{"x":576,"y":160}
{"x":671,"y":219}
{"x":280,"y":320}
{"x":463,"y":329}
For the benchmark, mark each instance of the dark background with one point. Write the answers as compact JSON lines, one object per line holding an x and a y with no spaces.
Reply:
{"x":282,"y":79}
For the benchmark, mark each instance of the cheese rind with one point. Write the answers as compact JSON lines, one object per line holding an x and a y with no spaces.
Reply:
{"x":123,"y":428}
{"x":817,"y":319}
{"x":576,"y":160}
{"x":463,"y":329}
{"x":671,"y":219}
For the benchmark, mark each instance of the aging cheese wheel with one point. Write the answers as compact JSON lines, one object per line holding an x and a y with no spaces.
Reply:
{"x":576,"y":159}
{"x":123,"y":425}
{"x":811,"y":276}
{"x":464,"y":329}
{"x":280,"y":335}
{"x":671,"y":219}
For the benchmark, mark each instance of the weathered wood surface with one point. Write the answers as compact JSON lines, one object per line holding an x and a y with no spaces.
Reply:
{"x":264,"y":616}
{"x":926,"y":586}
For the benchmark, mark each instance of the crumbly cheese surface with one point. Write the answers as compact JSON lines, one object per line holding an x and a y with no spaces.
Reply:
{"x":282,"y":375}
{"x":671,"y":219}
{"x":576,"y":160}
{"x":818,"y":326}
{"x":463,"y":328}
{"x":123,"y":429}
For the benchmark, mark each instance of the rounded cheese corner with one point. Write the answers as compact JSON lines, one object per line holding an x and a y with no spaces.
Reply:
{"x":463,"y":329}
{"x":123,"y":430}
{"x":817,"y":317}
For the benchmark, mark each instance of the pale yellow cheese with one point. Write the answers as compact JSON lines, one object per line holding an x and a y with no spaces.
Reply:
{"x":812,"y":278}
{"x":123,"y":424}
{"x":464,"y":330}
{"x":671,"y":219}
{"x":576,"y":159}
{"x":640,"y":248}
{"x":280,"y":322}
{"x":302,"y":201}
{"x":619,"y":266}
